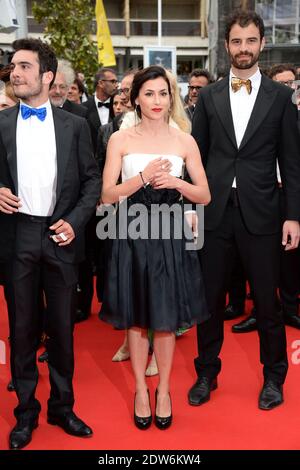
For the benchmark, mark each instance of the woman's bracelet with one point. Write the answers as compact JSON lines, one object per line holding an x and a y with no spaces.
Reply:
{"x":144,"y":183}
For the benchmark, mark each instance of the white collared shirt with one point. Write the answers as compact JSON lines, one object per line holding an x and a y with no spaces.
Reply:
{"x":103,"y":111}
{"x":37,"y":163}
{"x":242,"y":106}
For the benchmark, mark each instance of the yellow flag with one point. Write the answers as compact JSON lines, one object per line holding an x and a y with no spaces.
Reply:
{"x":106,"y":55}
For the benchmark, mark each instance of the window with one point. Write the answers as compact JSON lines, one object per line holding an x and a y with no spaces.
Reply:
{"x":281,"y":18}
{"x":114,"y":9}
{"x":146,"y":10}
{"x":173,"y":10}
{"x":265,"y":9}
{"x":285,"y":8}
{"x":285,"y":34}
{"x":269,"y":34}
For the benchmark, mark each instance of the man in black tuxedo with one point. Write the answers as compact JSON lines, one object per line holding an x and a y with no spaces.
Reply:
{"x":58,"y":93}
{"x":98,"y":105}
{"x":64,"y":78}
{"x":242,"y":124}
{"x":289,"y":284}
{"x":49,"y":186}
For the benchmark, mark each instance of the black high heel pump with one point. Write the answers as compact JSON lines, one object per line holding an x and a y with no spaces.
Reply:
{"x":142,"y":422}
{"x":160,"y":422}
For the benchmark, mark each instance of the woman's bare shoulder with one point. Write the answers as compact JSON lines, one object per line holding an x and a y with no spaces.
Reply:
{"x":183,"y":137}
{"x":188,"y":140}
{"x":120,"y":136}
{"x":176,"y":132}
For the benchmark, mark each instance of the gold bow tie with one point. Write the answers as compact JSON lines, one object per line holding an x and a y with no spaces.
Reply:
{"x":237,"y":83}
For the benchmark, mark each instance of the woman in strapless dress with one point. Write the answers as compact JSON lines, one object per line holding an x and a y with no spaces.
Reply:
{"x":154,"y":279}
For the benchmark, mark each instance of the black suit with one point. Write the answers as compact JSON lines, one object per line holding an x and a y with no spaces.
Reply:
{"x":94,"y":120}
{"x":249,"y":217}
{"x":75,"y":108}
{"x":86,"y":268}
{"x":190,"y":112}
{"x":35,"y":260}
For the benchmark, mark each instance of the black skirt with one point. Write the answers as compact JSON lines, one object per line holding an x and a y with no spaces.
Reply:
{"x":153,"y":282}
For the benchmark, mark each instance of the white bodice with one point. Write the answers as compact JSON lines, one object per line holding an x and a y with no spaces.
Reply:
{"x":133,"y":163}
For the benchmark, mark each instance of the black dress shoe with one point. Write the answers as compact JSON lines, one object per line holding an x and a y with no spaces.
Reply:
{"x":71,"y":424}
{"x":270,"y":396}
{"x":10,"y":386}
{"x":140,"y":421}
{"x":43,"y":357}
{"x":200,"y":391}
{"x":292,"y":320}
{"x":249,"y":324}
{"x":21,"y":434}
{"x":81,"y":316}
{"x":160,"y":421}
{"x":231,"y":312}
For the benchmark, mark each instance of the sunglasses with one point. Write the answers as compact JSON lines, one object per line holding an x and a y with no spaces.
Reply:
{"x":197,"y":88}
{"x":112,"y":81}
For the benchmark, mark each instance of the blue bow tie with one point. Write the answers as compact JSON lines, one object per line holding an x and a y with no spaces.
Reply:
{"x":26,"y":112}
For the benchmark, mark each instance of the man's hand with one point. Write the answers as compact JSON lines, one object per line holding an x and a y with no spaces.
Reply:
{"x":290,"y":234}
{"x":9,"y":203}
{"x":64,"y":234}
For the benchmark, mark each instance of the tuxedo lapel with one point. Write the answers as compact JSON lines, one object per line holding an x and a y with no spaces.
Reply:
{"x":94,"y":116}
{"x":63,"y":135}
{"x":9,"y":136}
{"x":264,"y":100}
{"x":221,"y":100}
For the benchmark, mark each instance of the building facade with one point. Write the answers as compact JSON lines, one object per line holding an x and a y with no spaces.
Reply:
{"x":133,"y":25}
{"x":282,"y":22}
{"x":195,"y":27}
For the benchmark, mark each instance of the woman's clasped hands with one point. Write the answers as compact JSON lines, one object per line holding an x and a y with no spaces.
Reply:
{"x":157,"y":173}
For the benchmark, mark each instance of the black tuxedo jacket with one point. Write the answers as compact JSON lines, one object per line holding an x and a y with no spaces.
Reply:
{"x":271,"y":134}
{"x":75,"y":108}
{"x":93,"y":119}
{"x":78,"y":184}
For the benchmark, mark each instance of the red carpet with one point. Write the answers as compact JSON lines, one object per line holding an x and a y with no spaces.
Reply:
{"x":104,"y":397}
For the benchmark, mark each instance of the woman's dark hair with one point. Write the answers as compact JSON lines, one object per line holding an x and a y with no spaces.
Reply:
{"x":79,"y":84}
{"x":142,"y":76}
{"x":279,"y":68}
{"x":243,"y":18}
{"x":5,"y":73}
{"x":47,"y":57}
{"x":111,"y":104}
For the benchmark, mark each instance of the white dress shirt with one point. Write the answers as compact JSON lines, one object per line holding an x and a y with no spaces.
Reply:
{"x":103,"y":111}
{"x":242,"y":106}
{"x":37,"y":163}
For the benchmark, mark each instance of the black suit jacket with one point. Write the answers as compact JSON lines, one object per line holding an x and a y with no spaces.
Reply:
{"x":93,"y":119}
{"x":75,"y":108}
{"x":190,"y":112}
{"x":78,"y":184}
{"x":271,"y":134}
